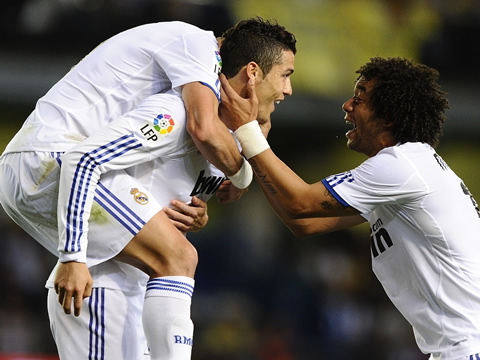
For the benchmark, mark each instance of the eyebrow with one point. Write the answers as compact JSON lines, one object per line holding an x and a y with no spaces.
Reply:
{"x":362,"y":88}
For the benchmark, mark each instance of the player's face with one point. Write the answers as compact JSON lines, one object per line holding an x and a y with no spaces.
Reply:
{"x":367,"y":132}
{"x":273,"y":87}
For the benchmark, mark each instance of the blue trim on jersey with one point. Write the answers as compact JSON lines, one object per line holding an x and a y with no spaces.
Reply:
{"x":217,"y":92}
{"x":96,"y":306}
{"x":81,"y":182}
{"x":334,"y":193}
{"x":118,"y":209}
{"x":56,"y":156}
{"x":170,"y":285}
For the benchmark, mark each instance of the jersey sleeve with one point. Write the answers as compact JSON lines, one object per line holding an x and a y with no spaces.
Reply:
{"x":192,"y":57}
{"x":384,"y":178}
{"x":155,"y":129}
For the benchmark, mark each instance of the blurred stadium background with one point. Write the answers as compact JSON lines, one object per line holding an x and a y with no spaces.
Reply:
{"x":261,"y":294}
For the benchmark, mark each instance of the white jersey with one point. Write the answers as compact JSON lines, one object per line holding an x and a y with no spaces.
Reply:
{"x":126,"y":171}
{"x":152,"y":145}
{"x":115,"y":77}
{"x":425,"y":242}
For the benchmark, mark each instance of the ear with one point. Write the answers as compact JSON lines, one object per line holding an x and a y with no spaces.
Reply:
{"x":388,"y":123}
{"x":253,"y":70}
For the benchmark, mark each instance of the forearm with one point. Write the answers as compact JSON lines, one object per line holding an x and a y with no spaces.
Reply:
{"x":212,"y":137}
{"x":217,"y":145}
{"x":75,"y":200}
{"x":285,"y":190}
{"x":320,"y":225}
{"x":281,"y":186}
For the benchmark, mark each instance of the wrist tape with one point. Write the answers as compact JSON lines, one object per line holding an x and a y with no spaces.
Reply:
{"x":243,"y":177}
{"x":251,"y":139}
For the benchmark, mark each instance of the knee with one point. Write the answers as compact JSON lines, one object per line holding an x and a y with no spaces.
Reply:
{"x":186,"y":260}
{"x":181,"y":262}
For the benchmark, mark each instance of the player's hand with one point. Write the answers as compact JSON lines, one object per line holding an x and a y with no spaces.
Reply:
{"x":73,"y":282}
{"x":188,"y":217}
{"x":228,"y":193}
{"x":234,"y":110}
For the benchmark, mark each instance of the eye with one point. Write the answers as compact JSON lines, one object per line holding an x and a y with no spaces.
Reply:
{"x":357,"y":99}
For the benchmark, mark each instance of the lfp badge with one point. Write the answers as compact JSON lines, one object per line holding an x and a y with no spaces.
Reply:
{"x":163,"y":123}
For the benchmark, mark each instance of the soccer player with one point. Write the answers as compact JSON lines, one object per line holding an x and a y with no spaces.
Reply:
{"x":73,"y":175}
{"x":425,"y":224}
{"x":169,"y":166}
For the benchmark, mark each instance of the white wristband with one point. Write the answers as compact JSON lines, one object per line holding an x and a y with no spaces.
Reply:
{"x":251,"y":139}
{"x":243,"y":177}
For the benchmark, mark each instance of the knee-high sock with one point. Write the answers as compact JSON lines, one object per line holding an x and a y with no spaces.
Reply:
{"x":166,"y":317}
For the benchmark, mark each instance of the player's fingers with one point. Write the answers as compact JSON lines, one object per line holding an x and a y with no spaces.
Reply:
{"x":182,"y":227}
{"x":199,"y":202}
{"x":88,"y":289}
{"x":226,"y":89}
{"x":67,"y":303}
{"x":178,"y":219}
{"x":77,"y":303}
{"x":252,"y":95}
{"x":61,"y":293}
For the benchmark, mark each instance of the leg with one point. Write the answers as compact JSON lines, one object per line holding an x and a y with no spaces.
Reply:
{"x":160,"y":249}
{"x":109,"y":327}
{"x":168,"y":257}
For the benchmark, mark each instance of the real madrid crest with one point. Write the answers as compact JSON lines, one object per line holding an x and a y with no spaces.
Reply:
{"x":139,"y":196}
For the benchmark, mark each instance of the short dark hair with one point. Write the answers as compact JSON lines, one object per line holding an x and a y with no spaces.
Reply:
{"x":407,"y":94}
{"x":257,"y":40}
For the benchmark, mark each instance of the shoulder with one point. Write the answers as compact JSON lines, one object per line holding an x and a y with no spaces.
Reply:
{"x":396,"y":164}
{"x":162,"y":102}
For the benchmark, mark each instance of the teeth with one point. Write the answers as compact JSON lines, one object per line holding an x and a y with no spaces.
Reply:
{"x":351,"y":123}
{"x":277,"y":102}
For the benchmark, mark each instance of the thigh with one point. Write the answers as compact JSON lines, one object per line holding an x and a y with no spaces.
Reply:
{"x":109,"y":327}
{"x":122,"y":207}
{"x":160,"y":249}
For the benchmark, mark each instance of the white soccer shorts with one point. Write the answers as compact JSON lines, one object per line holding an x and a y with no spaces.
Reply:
{"x":108,"y":327}
{"x":116,"y":216}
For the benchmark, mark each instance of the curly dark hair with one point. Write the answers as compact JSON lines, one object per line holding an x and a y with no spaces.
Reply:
{"x":407,"y":95}
{"x":257,"y":40}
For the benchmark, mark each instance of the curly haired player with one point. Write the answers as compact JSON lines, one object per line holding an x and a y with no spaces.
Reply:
{"x":425,"y":224}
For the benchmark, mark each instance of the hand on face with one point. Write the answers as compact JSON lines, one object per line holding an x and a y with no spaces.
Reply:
{"x":236,"y":111}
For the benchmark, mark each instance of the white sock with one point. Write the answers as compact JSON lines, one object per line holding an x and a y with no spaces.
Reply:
{"x":166,"y":317}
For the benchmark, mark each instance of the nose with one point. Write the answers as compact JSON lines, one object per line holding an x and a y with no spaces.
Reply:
{"x":347,"y":105}
{"x":288,"y":90}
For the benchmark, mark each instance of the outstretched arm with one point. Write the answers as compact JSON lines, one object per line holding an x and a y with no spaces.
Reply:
{"x":291,"y":197}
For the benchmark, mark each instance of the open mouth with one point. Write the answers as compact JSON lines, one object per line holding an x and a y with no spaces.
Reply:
{"x":354,"y":127}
